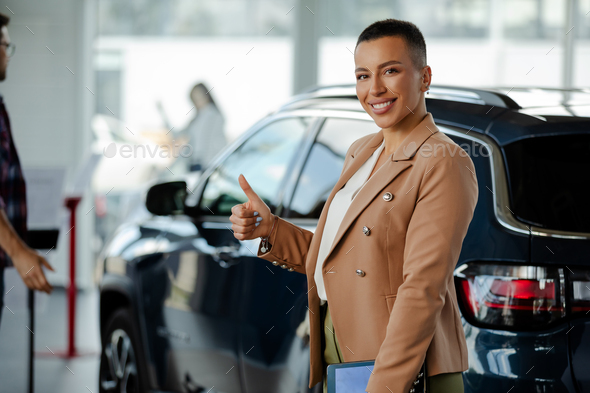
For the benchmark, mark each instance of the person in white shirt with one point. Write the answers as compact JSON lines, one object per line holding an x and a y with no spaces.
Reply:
{"x":206,"y":130}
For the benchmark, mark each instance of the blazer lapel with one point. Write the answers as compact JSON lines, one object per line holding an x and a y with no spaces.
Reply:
{"x":358,"y":158}
{"x":398,"y":162}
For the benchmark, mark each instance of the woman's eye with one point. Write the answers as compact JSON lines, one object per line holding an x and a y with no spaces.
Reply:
{"x":391,"y":69}
{"x":360,"y":77}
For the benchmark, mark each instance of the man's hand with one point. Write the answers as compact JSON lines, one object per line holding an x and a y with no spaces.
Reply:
{"x":29,"y":265}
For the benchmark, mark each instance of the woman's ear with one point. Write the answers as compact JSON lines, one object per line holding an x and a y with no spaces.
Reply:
{"x":426,"y":78}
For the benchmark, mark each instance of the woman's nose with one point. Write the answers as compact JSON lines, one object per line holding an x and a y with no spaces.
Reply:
{"x":377,"y":86}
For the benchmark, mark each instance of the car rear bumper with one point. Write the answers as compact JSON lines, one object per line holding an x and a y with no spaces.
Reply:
{"x":502,"y":361}
{"x":579,"y":344}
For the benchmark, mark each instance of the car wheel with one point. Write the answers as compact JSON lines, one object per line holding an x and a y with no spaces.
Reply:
{"x":119,"y":368}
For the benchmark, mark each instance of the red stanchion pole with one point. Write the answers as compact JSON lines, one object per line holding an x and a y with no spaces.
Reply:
{"x":72,"y":203}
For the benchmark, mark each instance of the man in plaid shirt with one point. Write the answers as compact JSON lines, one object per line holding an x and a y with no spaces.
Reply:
{"x":13,"y":201}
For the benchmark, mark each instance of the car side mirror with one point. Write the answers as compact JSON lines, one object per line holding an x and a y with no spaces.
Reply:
{"x":166,"y":198}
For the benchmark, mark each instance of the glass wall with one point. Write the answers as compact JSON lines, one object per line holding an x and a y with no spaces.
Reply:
{"x":150,"y":53}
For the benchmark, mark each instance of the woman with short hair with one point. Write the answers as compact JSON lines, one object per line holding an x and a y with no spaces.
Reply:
{"x":390,"y":234}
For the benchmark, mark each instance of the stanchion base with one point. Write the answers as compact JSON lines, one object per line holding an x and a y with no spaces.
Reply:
{"x":66,"y":354}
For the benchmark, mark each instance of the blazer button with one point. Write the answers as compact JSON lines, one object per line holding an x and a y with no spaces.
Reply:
{"x":366,"y":231}
{"x":359,"y":272}
{"x":275,"y":263}
{"x":284,"y":266}
{"x":387,"y":196}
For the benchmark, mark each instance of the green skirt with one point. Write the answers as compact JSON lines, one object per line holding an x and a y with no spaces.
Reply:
{"x":440,"y":383}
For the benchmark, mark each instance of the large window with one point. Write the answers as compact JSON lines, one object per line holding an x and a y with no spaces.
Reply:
{"x":324,"y":164}
{"x":549,"y":181}
{"x":263,"y":159}
{"x":194,"y":18}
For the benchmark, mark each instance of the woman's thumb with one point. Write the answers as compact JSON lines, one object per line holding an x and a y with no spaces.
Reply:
{"x":252,"y":196}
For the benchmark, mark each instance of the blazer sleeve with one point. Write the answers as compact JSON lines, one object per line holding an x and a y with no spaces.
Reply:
{"x":444,"y":208}
{"x":290,"y":242}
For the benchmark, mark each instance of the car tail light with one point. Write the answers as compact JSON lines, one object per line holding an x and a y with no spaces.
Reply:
{"x":579,"y":291}
{"x":511,"y":296}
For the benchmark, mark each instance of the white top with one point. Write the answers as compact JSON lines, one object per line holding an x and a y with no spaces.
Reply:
{"x":206,"y":133}
{"x":336,"y":212}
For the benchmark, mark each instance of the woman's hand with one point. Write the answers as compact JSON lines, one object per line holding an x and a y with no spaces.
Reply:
{"x":253,"y":218}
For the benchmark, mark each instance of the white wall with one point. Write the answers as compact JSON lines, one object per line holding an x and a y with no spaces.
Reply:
{"x":249,"y":77}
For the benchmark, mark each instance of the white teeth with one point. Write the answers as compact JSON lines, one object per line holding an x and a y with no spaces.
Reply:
{"x":382,"y":105}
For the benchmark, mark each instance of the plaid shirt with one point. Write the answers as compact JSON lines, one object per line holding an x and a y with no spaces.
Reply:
{"x":13,"y":194}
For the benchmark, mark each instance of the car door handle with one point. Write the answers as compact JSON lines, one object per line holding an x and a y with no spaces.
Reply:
{"x":226,"y":256}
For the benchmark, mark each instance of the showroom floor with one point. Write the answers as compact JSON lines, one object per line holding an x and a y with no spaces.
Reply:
{"x":52,"y":372}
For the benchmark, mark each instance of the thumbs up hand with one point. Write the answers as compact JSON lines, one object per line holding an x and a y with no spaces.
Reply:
{"x":251,"y":219}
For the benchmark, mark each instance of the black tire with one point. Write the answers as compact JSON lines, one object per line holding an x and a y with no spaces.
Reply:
{"x":122,"y":368}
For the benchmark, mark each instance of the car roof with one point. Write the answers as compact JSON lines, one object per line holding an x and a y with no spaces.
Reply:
{"x":522,"y":113}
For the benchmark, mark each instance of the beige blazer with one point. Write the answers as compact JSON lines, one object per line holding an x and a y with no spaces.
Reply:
{"x":391,"y":291}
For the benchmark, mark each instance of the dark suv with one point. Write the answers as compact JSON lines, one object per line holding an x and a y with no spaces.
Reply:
{"x":185,"y":307}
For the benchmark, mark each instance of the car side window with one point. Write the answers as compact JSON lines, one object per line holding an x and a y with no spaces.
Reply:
{"x":263,"y":159}
{"x":324,"y":164}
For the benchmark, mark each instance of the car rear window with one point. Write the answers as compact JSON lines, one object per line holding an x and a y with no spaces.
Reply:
{"x":549,"y":183}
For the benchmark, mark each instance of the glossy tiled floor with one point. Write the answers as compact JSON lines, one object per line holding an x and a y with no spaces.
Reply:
{"x":52,"y":373}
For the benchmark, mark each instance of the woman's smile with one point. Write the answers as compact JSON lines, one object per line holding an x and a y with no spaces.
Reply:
{"x":383,"y":107}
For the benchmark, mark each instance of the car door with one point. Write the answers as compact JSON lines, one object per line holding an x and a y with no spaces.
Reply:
{"x":265,"y":159}
{"x":192,"y":295}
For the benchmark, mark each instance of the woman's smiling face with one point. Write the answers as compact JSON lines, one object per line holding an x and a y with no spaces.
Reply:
{"x":388,"y":84}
